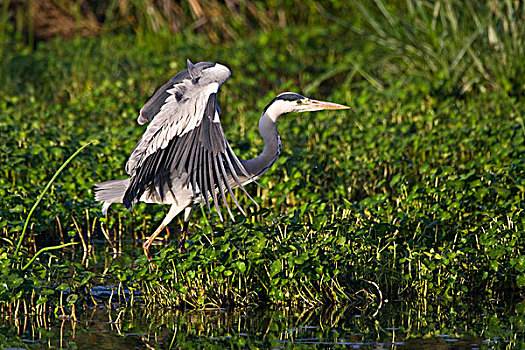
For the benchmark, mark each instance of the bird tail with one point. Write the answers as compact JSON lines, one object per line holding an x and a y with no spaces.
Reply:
{"x":110,"y":192}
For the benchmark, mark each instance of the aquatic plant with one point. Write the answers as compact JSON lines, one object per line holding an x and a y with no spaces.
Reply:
{"x":417,"y":194}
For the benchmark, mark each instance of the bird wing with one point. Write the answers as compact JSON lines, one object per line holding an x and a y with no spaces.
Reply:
{"x":185,"y":137}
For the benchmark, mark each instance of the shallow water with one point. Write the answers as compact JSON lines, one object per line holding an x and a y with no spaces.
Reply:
{"x":396,"y":325}
{"x":429,"y":324}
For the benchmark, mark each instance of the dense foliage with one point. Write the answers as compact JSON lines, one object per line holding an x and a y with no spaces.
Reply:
{"x":417,"y":192}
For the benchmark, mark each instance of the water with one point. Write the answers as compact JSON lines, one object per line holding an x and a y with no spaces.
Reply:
{"x":428,"y":324}
{"x":397,"y":325}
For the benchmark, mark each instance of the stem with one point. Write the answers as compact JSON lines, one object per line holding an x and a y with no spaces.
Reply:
{"x":43,"y":193}
{"x":45,"y":250}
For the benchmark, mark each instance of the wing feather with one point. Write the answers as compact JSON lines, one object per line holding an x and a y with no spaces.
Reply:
{"x":230,"y":191}
{"x":203,"y":179}
{"x":221,"y":181}
{"x":185,"y":138}
{"x":211,"y":178}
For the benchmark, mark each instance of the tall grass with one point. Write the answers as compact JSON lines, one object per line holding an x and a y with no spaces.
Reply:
{"x":218,"y":20}
{"x":457,"y":45}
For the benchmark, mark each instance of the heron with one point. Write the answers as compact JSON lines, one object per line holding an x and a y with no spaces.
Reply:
{"x":183,"y":158}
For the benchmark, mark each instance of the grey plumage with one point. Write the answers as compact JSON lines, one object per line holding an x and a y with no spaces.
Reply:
{"x":154,"y":104}
{"x":184,"y":135}
{"x":110,"y":192}
{"x":183,"y":156}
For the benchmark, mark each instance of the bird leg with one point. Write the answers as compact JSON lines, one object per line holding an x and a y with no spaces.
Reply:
{"x":174,"y":210}
{"x":187,"y":214}
{"x":151,"y":239}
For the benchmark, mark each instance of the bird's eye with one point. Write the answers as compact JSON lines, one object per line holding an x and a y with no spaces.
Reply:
{"x":300,"y":102}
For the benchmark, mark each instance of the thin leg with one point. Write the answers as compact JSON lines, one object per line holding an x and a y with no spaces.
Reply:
{"x":151,"y":239}
{"x":187,"y":214}
{"x":174,"y":211}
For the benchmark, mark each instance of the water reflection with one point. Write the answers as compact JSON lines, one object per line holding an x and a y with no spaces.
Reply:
{"x":398,"y":325}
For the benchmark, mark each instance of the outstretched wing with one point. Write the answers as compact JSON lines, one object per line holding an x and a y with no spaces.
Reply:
{"x":185,"y":137}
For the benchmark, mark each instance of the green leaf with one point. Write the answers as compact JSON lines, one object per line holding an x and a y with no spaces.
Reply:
{"x":72,"y":299}
{"x":520,"y":280}
{"x":241,"y":266}
{"x":520,"y":263}
{"x":395,"y":180}
{"x":47,"y":291}
{"x":63,"y":287}
{"x":275,"y":268}
{"x":15,"y":281}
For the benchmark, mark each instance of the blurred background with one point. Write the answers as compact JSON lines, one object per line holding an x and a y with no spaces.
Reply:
{"x":455,"y":44}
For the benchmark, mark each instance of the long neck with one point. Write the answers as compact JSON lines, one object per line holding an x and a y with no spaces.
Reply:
{"x":272,"y":145}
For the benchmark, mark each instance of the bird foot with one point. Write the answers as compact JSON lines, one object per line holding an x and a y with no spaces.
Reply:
{"x":146,"y":251}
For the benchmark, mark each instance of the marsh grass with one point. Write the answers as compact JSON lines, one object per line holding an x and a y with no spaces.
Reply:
{"x":22,"y":235}
{"x":287,"y":263}
{"x":417,"y":193}
{"x":28,"y":294}
{"x":457,"y":45}
{"x":218,"y":21}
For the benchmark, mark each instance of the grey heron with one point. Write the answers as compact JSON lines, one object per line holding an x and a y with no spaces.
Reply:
{"x":183,"y":157}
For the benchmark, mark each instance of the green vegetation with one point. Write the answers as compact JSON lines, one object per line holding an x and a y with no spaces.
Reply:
{"x":416,"y":193}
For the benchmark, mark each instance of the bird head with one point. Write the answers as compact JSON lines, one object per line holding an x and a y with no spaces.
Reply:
{"x":288,"y":102}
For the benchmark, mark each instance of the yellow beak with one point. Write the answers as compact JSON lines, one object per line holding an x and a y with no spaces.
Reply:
{"x":318,"y":105}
